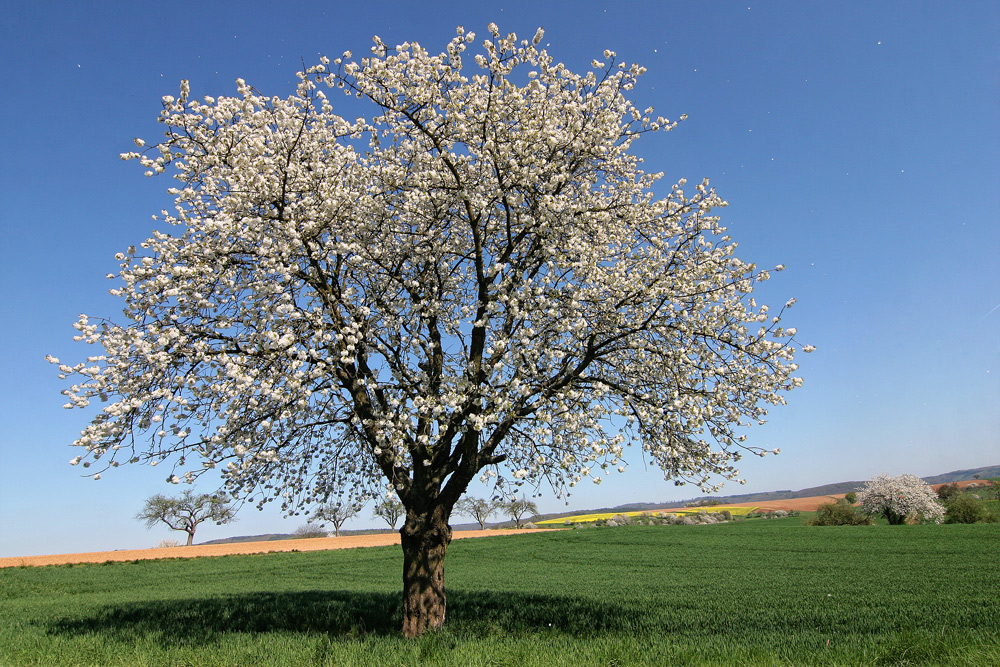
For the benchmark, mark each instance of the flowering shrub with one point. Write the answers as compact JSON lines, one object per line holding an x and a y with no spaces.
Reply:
{"x":899,"y":498}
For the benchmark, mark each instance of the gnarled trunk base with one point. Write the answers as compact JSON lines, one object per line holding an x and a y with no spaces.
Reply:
{"x":425,"y":540}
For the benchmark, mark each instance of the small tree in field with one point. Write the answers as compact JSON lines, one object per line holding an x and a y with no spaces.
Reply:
{"x":479,"y":509}
{"x":390,"y":510}
{"x":335,"y":514}
{"x":897,"y":498}
{"x":947,"y":491}
{"x":518,"y":509}
{"x":475,"y":280}
{"x":186,"y":512}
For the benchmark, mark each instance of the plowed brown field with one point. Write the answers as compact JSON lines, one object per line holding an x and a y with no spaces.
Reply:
{"x":810,"y":504}
{"x":311,"y":544}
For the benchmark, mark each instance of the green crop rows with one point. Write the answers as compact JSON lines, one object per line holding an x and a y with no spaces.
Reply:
{"x":752,"y":593}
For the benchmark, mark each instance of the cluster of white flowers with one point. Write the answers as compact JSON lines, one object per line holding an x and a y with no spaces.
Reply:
{"x":475,"y":281}
{"x":899,"y":498}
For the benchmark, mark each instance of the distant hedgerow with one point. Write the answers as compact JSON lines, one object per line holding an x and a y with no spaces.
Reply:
{"x":840,"y":514}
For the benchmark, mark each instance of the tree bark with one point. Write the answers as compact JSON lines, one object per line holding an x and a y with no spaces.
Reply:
{"x":190,"y":538}
{"x":425,"y":538}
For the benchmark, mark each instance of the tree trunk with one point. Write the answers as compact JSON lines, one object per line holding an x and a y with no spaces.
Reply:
{"x":895,"y":519}
{"x":425,"y":539}
{"x":190,"y":538}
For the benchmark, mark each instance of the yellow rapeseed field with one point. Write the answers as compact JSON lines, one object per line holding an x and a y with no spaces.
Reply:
{"x":590,"y":518}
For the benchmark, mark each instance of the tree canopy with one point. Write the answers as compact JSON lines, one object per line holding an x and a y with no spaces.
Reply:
{"x":475,"y":280}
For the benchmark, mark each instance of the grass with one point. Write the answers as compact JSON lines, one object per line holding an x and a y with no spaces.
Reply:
{"x":751,"y":593}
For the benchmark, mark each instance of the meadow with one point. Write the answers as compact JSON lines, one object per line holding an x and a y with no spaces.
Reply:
{"x":759,"y":592}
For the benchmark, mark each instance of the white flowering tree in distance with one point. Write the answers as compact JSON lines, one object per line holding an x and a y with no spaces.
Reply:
{"x":897,"y":498}
{"x":476,"y":281}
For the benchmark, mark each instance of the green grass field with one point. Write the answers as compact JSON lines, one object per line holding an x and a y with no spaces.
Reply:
{"x":751,"y":593}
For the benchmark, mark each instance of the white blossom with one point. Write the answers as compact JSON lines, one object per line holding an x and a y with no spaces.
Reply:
{"x":475,"y":280}
{"x":899,"y":498}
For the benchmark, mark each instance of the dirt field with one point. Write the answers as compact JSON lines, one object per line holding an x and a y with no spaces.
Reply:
{"x":810,"y":504}
{"x":312,"y":544}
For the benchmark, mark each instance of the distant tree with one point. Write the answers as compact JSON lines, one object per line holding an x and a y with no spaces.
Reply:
{"x":309,"y":531}
{"x":391,"y":510}
{"x":336,"y":514}
{"x":187,"y":512}
{"x":948,"y":491}
{"x":851,"y":497}
{"x":518,"y":509}
{"x":965,"y":508}
{"x":897,"y":498}
{"x":479,"y":509}
{"x":995,"y":486}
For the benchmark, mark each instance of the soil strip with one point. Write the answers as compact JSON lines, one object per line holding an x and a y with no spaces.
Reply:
{"x":241,"y":548}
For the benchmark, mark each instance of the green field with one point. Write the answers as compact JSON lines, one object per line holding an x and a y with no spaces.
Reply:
{"x":750,"y":593}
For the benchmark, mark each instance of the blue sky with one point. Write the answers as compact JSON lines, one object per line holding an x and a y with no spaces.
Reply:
{"x":856,"y":142}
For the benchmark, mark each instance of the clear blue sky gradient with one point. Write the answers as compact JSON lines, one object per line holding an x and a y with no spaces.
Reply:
{"x":857,"y":142}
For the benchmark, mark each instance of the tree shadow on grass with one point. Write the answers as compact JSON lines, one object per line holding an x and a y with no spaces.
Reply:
{"x":198,"y":621}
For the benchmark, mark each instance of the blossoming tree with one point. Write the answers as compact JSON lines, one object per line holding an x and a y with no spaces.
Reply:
{"x":897,"y":498}
{"x":334,"y":513}
{"x":186,"y":512}
{"x":479,"y":509}
{"x":389,"y":510}
{"x":476,"y":281}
